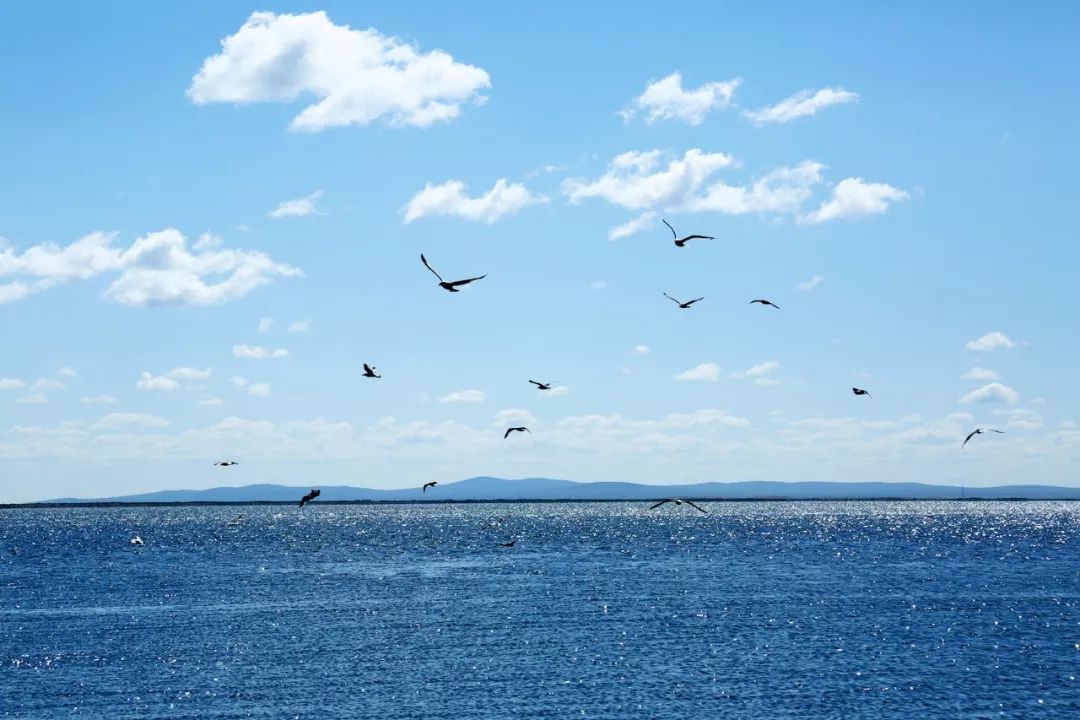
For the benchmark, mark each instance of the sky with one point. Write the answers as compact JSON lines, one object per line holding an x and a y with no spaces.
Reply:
{"x":209,"y":220}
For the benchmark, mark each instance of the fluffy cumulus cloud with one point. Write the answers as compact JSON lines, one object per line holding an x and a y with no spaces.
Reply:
{"x":451,"y":198}
{"x":171,"y":380}
{"x":298,"y":207}
{"x":709,"y":372}
{"x":979,"y":373}
{"x":854,"y":197}
{"x":666,"y":99}
{"x":811,"y":283}
{"x":464,"y":396}
{"x":802,"y":103}
{"x":993,"y":392}
{"x":991,"y":341}
{"x":636,"y":181}
{"x":157,"y":268}
{"x":253,"y":389}
{"x":355,"y":76}
{"x":258,"y":352}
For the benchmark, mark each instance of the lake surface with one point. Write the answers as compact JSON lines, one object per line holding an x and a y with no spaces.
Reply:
{"x":600,"y":610}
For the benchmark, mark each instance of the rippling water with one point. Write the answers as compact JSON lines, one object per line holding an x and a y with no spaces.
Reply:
{"x":600,"y":610}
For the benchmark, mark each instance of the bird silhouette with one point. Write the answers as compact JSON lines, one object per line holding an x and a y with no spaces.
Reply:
{"x":677,"y":501}
{"x":516,"y":429}
{"x":369,"y":371}
{"x":765,"y":302}
{"x":508,"y":544}
{"x":540,"y":385}
{"x":681,"y":242}
{"x":979,"y":431}
{"x":309,"y":497}
{"x":860,"y":391}
{"x":449,"y":286}
{"x":684,"y":305}
{"x":433,"y":483}
{"x":226,"y":463}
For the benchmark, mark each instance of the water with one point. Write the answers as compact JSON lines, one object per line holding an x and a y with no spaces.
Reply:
{"x":600,"y":610}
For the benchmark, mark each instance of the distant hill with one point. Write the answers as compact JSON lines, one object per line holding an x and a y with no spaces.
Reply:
{"x":489,"y":488}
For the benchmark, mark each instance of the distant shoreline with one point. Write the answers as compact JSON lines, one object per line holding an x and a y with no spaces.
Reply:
{"x":282,"y":503}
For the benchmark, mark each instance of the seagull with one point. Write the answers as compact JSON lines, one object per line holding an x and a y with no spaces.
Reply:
{"x":540,"y":385}
{"x":235,"y":521}
{"x":979,"y":431}
{"x":684,"y":305}
{"x":136,"y":540}
{"x":309,"y":497}
{"x":226,"y":463}
{"x":449,"y":286}
{"x":508,"y":544}
{"x":369,"y":371}
{"x":516,"y":429}
{"x":433,"y":483}
{"x":765,"y":302}
{"x":860,"y":391}
{"x":677,"y":501}
{"x":680,"y":242}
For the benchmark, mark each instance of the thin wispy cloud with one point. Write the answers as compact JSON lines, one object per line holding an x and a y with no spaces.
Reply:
{"x":171,"y":380}
{"x":357,"y":76}
{"x":811,"y":283}
{"x":995,"y":340}
{"x":464,"y":396}
{"x":299,"y":207}
{"x":11,"y":384}
{"x":758,"y":372}
{"x":298,"y":326}
{"x":979,"y":373}
{"x":707,"y":372}
{"x":98,"y":400}
{"x":633,"y":226}
{"x":642,"y":350}
{"x":258,"y":352}
{"x":265,"y":324}
{"x":801,"y":104}
{"x":115,"y":420}
{"x":666,"y":99}
{"x":451,"y":199}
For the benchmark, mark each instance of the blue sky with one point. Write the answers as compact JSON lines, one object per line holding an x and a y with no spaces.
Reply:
{"x":918,"y":160}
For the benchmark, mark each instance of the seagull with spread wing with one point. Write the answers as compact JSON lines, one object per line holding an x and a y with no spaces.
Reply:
{"x":540,"y":385}
{"x":860,"y":391}
{"x":433,"y":483}
{"x":979,"y":431}
{"x":226,"y":463}
{"x":369,"y":371}
{"x":765,"y":302}
{"x":516,"y":429}
{"x":683,"y":305}
{"x":677,"y":501}
{"x":449,"y":286}
{"x":681,"y":242}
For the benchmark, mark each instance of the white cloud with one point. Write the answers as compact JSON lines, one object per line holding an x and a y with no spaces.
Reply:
{"x":33,"y":399}
{"x":298,"y":207}
{"x":207,"y":241}
{"x":265,"y":323}
{"x":978,"y":373}
{"x":667,"y":100}
{"x":299,"y":326}
{"x":239,"y":381}
{"x":645,"y":220}
{"x":157,"y":268}
{"x":991,"y":341}
{"x":642,"y":350}
{"x":11,"y":384}
{"x":705,"y":371}
{"x":633,"y":180}
{"x":99,"y":400}
{"x":757,"y":371}
{"x":513,"y":416}
{"x":258,"y":352}
{"x":67,"y":372}
{"x":853,"y":197}
{"x":804,"y":102}
{"x":10,"y":292}
{"x":211,"y":402}
{"x":468,"y":396}
{"x":187,"y":373}
{"x":47,"y":384}
{"x":556,"y":391}
{"x":259,"y":389}
{"x":783,"y":190}
{"x":811,"y":283}
{"x":451,"y":198}
{"x":113,"y":420}
{"x":358,"y":76}
{"x":156,"y":382}
{"x":992,"y":393}
{"x":1021,"y":418}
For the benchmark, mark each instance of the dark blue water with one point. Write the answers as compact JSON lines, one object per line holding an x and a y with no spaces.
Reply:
{"x":757,"y":610}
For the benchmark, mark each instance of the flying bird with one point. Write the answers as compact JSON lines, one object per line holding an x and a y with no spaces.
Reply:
{"x":433,"y":483}
{"x":979,"y":431}
{"x":680,"y":242}
{"x":677,"y":501}
{"x":136,"y":540}
{"x":860,"y":391}
{"x":449,"y":286}
{"x":684,"y":305}
{"x":540,"y":385}
{"x":226,"y":463}
{"x":309,"y":497}
{"x":369,"y":371}
{"x":765,"y":302}
{"x":516,"y":429}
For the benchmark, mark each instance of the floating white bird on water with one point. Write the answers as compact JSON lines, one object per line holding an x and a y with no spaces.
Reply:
{"x":677,"y":501}
{"x":136,"y":540}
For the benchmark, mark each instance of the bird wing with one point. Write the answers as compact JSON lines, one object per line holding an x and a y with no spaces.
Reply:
{"x":459,"y":283}
{"x":696,"y":507}
{"x":424,"y":260}
{"x":527,"y":430}
{"x":653,"y":507}
{"x":672,"y":299}
{"x":691,"y":302}
{"x":507,"y":433}
{"x":369,"y":369}
{"x":673,"y":233}
{"x":767,"y":302}
{"x":537,"y":384}
{"x":698,"y":237}
{"x":973,"y":433}
{"x":997,"y":431}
